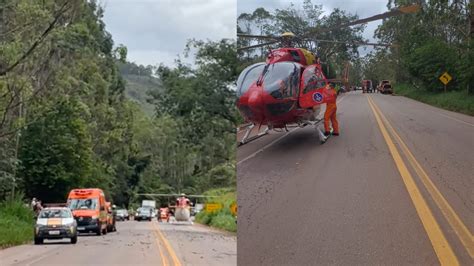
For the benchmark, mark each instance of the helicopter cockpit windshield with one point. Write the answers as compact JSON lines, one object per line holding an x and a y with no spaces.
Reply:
{"x":281,"y":80}
{"x":248,"y":76}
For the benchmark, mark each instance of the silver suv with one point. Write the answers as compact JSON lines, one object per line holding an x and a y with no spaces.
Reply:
{"x":55,"y":223}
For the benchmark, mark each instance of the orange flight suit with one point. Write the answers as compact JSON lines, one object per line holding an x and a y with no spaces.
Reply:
{"x":183,"y":202}
{"x":330,"y":113}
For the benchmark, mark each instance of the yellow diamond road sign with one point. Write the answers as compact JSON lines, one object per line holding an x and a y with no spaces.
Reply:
{"x":445,"y":78}
{"x":233,"y":209}
{"x":213,"y":207}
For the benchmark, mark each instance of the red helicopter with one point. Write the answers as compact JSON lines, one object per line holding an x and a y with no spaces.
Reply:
{"x":285,"y":89}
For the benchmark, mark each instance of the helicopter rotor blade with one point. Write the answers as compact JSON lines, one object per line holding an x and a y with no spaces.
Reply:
{"x":255,"y":46}
{"x":395,"y":12}
{"x":357,"y":43}
{"x":267,"y":37}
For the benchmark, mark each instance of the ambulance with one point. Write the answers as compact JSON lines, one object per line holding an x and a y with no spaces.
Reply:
{"x":89,"y":208}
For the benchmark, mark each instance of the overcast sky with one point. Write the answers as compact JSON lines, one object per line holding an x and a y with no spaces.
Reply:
{"x":156,"y":31}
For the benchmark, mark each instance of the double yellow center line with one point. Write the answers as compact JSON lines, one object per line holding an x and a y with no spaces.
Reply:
{"x":162,"y":241}
{"x":441,"y":246}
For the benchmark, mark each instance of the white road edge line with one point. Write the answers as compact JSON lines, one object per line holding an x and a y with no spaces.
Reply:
{"x":438,"y":110}
{"x":278,"y":139}
{"x":452,"y":118}
{"x":265,"y":147}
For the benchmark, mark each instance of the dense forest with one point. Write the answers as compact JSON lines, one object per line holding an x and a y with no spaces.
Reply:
{"x":67,"y":119}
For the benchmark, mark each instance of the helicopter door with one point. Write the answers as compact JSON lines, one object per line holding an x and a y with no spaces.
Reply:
{"x":313,"y":83}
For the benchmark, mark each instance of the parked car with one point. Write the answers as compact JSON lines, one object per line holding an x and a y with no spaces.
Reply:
{"x":197,"y":208}
{"x":55,"y":223}
{"x":122,"y":215}
{"x":385,"y":87}
{"x":144,"y":213}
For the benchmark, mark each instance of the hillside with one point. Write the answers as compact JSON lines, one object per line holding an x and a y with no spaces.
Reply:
{"x":137,"y":88}
{"x":139,"y":81}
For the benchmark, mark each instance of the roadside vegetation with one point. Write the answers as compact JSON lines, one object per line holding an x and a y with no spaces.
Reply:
{"x":437,"y":39}
{"x":222,"y":219}
{"x":16,"y":222}
{"x":457,"y":101}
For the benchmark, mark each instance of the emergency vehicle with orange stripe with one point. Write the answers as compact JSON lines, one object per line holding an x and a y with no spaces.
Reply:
{"x":89,"y":208}
{"x":55,"y":223}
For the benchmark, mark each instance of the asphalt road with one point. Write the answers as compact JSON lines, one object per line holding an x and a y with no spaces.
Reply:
{"x":396,"y":188}
{"x":134,"y":243}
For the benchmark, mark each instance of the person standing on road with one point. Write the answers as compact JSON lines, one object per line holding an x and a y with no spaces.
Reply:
{"x":183,"y":201}
{"x":33,"y":204}
{"x":38,"y":207}
{"x":331,"y":109}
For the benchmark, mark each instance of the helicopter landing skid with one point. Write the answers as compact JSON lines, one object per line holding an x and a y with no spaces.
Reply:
{"x":322,"y":137}
{"x":315,"y":123}
{"x":246,"y":139}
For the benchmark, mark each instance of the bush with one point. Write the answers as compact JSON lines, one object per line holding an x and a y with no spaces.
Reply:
{"x":16,"y":222}
{"x":457,"y":101}
{"x":16,"y":208}
{"x":203,"y":217}
{"x":427,"y":63}
{"x":222,"y":219}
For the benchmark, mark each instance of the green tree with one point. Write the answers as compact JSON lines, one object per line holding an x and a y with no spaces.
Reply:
{"x":432,"y":41}
{"x":55,"y":153}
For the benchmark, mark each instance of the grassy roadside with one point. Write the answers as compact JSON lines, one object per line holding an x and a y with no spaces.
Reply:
{"x":222,"y":219}
{"x":457,"y":101}
{"x":16,"y":223}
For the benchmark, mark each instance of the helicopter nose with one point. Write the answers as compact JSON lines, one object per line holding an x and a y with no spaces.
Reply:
{"x":255,"y":102}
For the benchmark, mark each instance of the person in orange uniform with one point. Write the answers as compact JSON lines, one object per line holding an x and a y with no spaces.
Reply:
{"x":183,"y":201}
{"x":331,"y":109}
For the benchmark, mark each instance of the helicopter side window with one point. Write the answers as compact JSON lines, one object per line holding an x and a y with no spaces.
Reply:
{"x":282,"y":80}
{"x":295,"y":55}
{"x":313,"y":79}
{"x":248,"y":77}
